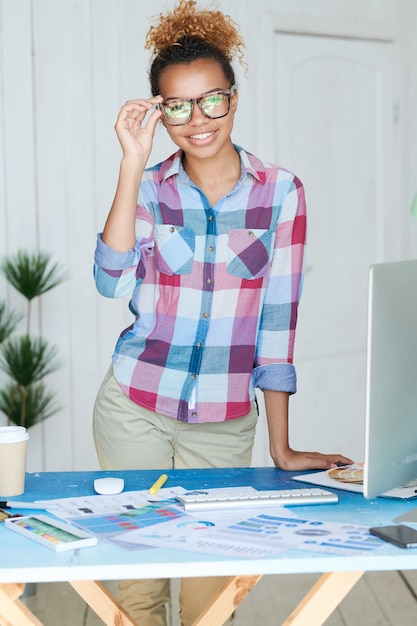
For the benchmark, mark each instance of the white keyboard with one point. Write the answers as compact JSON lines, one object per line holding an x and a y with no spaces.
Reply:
{"x":235,"y":498}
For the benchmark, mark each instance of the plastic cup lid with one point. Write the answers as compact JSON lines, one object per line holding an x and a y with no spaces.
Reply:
{"x":13,"y":434}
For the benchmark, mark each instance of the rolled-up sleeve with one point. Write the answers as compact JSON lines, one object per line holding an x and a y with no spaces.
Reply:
{"x":275,"y":345}
{"x":115,"y":272}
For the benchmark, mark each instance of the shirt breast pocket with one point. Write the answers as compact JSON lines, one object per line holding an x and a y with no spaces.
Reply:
{"x":175,"y":247}
{"x":249,"y":252}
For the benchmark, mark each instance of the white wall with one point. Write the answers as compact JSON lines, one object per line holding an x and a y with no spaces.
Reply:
{"x":66,"y":66}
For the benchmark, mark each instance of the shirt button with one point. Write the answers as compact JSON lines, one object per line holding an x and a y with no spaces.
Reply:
{"x":205,"y":315}
{"x":251,"y":233}
{"x":193,"y":375}
{"x":193,"y":414}
{"x":199,"y":345}
{"x":172,"y":229}
{"x":209,"y":281}
{"x":211,"y":218}
{"x":211,"y":248}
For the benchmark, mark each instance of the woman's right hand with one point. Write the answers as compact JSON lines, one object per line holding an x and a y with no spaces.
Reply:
{"x":135,"y":138}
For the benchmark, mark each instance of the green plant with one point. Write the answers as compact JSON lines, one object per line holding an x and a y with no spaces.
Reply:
{"x":8,"y":321}
{"x":27,"y":360}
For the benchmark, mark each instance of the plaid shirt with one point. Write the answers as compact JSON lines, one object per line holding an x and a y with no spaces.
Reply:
{"x":215,"y":291}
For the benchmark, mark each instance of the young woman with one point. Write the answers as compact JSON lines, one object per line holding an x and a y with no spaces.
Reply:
{"x":210,"y":245}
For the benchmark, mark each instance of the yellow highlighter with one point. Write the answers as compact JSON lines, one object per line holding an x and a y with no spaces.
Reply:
{"x":158,"y":484}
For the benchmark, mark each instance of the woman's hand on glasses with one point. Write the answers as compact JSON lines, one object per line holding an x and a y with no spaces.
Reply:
{"x":135,"y":136}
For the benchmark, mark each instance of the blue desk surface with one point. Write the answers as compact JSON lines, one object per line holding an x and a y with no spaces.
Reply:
{"x":23,"y":560}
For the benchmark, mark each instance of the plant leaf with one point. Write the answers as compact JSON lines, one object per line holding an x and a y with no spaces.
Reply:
{"x":27,"y":360}
{"x":32,"y":274}
{"x":26,"y":406}
{"x":8,"y":321}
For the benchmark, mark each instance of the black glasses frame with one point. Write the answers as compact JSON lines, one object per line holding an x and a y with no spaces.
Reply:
{"x":229,"y":93}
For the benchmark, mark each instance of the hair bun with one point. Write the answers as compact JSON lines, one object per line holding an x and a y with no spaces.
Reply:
{"x":184,"y":24}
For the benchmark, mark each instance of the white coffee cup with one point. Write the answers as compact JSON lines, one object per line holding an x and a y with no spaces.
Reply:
{"x":13,"y":441}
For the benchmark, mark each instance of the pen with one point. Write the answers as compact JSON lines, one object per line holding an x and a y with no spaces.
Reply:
{"x":10,"y":504}
{"x":158,"y":484}
{"x":4,"y":515}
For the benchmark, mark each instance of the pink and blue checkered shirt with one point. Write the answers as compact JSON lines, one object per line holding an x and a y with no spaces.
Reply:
{"x":215,"y":291}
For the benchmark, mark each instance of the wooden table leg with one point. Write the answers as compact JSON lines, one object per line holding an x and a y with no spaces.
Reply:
{"x":227,"y":600}
{"x":313,"y":610}
{"x":323,"y":598}
{"x":103,"y":603}
{"x":12,"y":610}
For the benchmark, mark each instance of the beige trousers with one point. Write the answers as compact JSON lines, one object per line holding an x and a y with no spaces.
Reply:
{"x":127,"y":436}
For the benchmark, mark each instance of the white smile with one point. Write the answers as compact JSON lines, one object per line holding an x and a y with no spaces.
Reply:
{"x":202,"y":136}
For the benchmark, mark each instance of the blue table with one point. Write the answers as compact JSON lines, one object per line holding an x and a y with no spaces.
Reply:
{"x":25,"y":561}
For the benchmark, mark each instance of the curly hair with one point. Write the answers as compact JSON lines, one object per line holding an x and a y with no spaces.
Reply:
{"x":186,"y":34}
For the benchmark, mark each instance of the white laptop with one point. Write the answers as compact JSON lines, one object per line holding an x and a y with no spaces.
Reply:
{"x":390,"y":467}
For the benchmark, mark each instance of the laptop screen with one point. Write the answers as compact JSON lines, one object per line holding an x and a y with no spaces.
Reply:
{"x":391,"y":385}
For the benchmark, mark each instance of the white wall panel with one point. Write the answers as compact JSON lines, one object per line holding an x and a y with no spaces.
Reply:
{"x":18,"y":125}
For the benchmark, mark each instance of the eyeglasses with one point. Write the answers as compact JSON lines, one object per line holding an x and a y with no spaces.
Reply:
{"x":178,"y":111}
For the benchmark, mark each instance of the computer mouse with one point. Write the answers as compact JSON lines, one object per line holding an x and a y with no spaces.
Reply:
{"x":109,"y":485}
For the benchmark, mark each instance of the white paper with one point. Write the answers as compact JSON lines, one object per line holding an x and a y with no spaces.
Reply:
{"x":137,"y":521}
